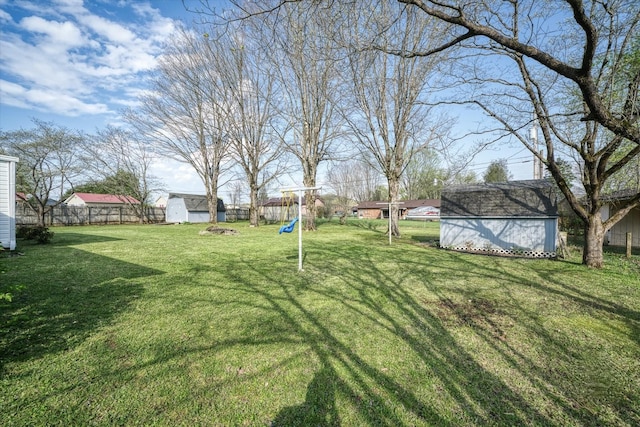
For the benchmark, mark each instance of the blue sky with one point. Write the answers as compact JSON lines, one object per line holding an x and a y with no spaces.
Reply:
{"x":75,"y":62}
{"x":79,"y":63}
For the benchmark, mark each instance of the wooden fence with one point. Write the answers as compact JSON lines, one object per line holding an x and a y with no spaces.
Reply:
{"x":84,"y":215}
{"x":237,"y":214}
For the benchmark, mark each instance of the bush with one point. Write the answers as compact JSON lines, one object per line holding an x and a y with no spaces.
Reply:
{"x":37,"y":233}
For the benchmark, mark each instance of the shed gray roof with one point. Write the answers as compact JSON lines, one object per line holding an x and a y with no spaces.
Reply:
{"x":531,"y":198}
{"x":196,"y":202}
{"x":405,"y":204}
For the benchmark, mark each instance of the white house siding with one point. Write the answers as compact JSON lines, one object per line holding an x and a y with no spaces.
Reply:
{"x":198,"y":216}
{"x":617,"y":236}
{"x":74,"y":201}
{"x":8,"y":202}
{"x":530,"y":236}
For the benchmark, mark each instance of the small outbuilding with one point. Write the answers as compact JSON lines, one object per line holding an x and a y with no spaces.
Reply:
{"x":191,"y":208}
{"x":8,"y":202}
{"x":512,"y":218}
{"x":617,"y":235}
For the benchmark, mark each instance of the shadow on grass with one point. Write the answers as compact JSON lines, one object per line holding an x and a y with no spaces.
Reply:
{"x":481,"y":394}
{"x":378,"y":393}
{"x":68,"y":294}
{"x":374,"y":225}
{"x":319,"y":407}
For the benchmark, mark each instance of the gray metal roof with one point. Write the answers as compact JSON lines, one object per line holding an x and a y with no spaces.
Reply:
{"x":196,"y":202}
{"x":530,"y":198}
{"x":405,"y":204}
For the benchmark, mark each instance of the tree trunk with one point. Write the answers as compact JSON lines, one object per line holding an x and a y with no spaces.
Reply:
{"x":592,"y":255}
{"x":42,"y":212}
{"x":394,"y":189}
{"x":310,"y":198}
{"x":254,"y":218}
{"x":211,"y":185}
{"x":312,"y":211}
{"x":212,"y":200}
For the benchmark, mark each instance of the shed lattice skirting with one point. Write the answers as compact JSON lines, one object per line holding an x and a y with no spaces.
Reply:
{"x":504,"y":252}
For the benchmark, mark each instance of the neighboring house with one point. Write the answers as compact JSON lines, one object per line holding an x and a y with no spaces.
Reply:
{"x":425,"y":209}
{"x":514,"y":218}
{"x":8,"y":202}
{"x":191,"y":208}
{"x":284,"y":208}
{"x":380,"y":209}
{"x":161,"y":202}
{"x":617,"y":236}
{"x":99,"y":200}
{"x":372,"y":210}
{"x":21,"y":199}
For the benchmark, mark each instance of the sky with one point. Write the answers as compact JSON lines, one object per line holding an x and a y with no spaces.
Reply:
{"x":79,"y":63}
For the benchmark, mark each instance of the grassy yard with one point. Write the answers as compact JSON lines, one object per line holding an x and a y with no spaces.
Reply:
{"x":157,"y":325}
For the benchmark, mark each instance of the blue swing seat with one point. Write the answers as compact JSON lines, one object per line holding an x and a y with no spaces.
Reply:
{"x":289,"y":227}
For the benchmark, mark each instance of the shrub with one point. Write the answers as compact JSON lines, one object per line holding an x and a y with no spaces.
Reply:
{"x":37,"y":233}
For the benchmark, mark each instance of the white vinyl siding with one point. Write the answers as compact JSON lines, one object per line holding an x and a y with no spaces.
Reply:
{"x":7,"y":202}
{"x":536,"y":235}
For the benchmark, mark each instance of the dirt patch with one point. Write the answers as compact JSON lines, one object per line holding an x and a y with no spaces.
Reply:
{"x":218,"y":230}
{"x":479,"y":314}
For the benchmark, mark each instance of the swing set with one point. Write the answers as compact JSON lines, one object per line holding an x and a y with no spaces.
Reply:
{"x":287,"y":201}
{"x":288,"y":228}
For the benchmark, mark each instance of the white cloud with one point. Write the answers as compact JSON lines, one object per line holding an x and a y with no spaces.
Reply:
{"x":5,"y":17}
{"x":178,"y":177}
{"x":84,"y":60}
{"x":47,"y":100}
{"x":59,"y":36}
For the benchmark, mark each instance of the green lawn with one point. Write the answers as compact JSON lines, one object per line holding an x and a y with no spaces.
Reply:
{"x":157,"y":325}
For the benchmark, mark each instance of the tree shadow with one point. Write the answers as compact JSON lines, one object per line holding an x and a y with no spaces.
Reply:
{"x":69,"y":294}
{"x":319,"y":406}
{"x":386,"y":301}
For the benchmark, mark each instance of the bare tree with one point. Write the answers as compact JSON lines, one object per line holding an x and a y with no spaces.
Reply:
{"x":123,"y":160}
{"x":308,"y":83}
{"x":182,"y":115}
{"x":49,"y":162}
{"x":390,"y":117}
{"x":245,"y":90}
{"x":353,"y":180}
{"x":525,"y":76}
{"x":559,"y":50}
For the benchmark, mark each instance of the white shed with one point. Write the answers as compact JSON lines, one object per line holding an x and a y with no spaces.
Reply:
{"x":8,"y":202}
{"x":191,"y":208}
{"x":517,"y":218}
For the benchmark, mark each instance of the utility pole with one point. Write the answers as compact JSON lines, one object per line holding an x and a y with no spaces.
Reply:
{"x":533,"y":135}
{"x":537,"y":163}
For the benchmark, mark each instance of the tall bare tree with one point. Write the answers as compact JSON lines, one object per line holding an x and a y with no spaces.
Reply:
{"x":245,"y":90}
{"x":523,"y":70}
{"x":390,"y":116}
{"x":123,"y":160}
{"x":308,"y":82}
{"x":49,"y":163}
{"x":181,"y":111}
